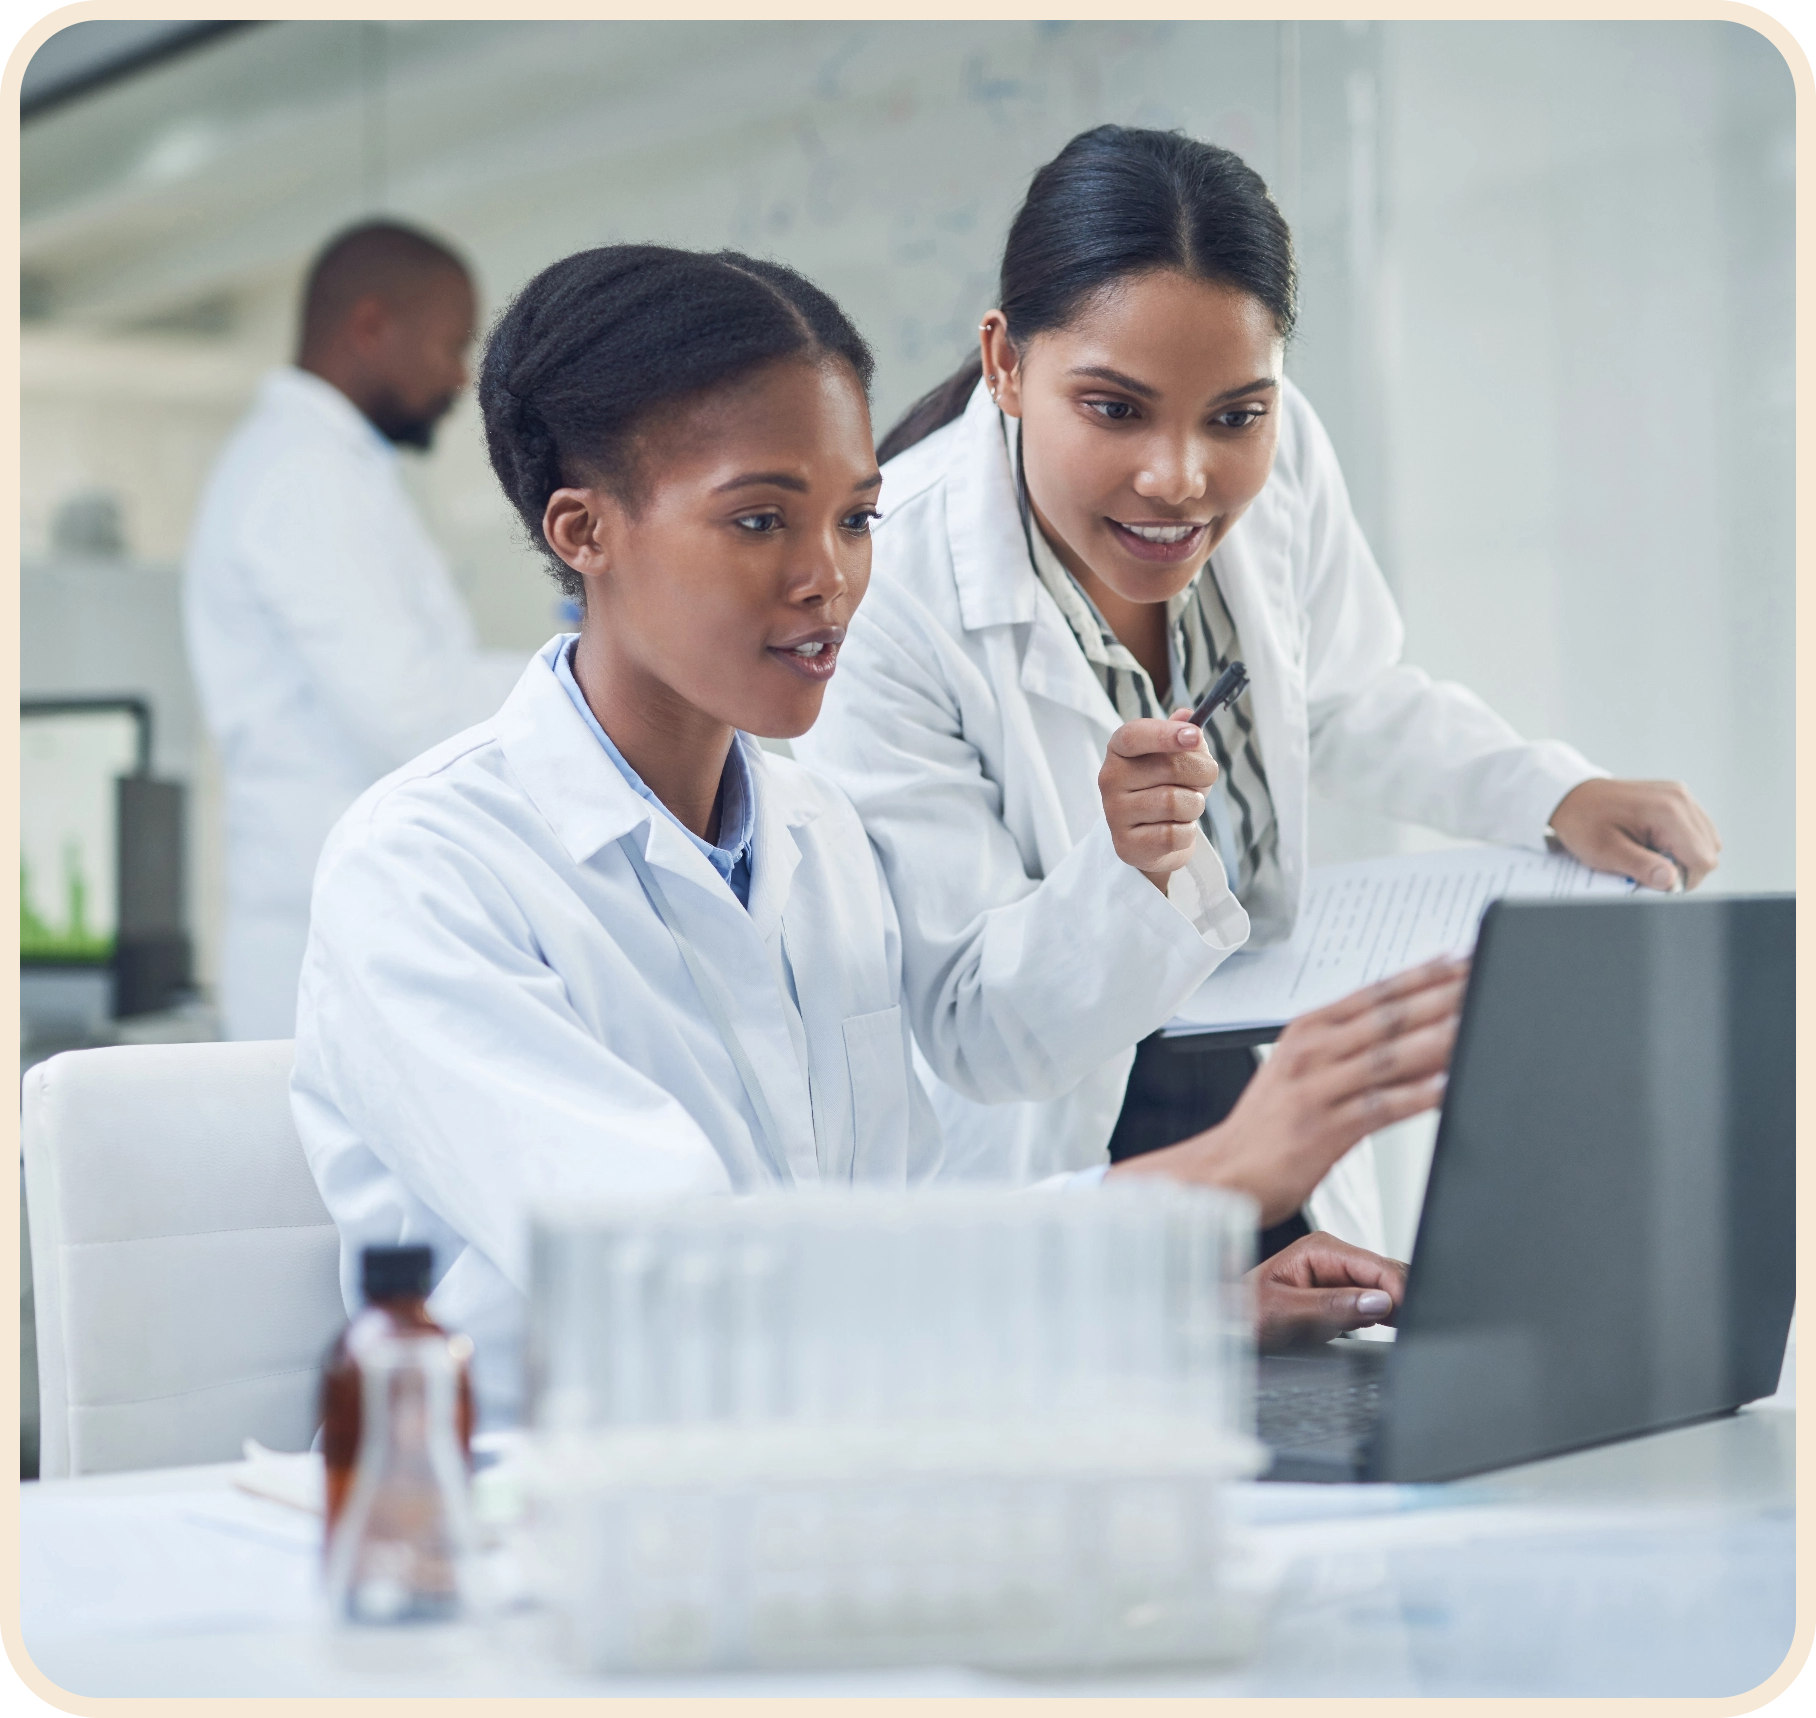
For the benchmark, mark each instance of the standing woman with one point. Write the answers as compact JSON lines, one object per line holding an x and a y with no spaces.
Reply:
{"x":1116,"y":496}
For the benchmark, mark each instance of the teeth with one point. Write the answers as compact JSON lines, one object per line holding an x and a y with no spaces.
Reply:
{"x":808,"y":649}
{"x":1161,"y":533}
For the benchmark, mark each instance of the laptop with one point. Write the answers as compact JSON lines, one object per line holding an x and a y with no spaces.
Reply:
{"x":1607,"y":1245}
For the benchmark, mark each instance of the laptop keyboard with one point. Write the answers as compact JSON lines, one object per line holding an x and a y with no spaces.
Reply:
{"x":1324,"y":1410}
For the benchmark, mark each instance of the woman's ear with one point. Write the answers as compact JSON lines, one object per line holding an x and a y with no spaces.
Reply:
{"x":576,"y":524}
{"x":1002,"y":363}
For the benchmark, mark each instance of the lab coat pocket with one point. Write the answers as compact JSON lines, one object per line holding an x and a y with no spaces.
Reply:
{"x":876,"y":1058}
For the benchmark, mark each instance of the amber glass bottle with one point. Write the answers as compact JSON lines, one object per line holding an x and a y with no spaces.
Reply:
{"x":395,"y":1284}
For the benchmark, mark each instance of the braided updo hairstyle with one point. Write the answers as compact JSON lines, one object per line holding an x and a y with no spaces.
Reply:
{"x":598,"y":341}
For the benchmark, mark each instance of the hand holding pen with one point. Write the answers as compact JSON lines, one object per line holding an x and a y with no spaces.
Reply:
{"x":1154,"y":779}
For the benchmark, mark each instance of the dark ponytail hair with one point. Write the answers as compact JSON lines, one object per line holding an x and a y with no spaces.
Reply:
{"x":596,"y":342}
{"x":1116,"y":202}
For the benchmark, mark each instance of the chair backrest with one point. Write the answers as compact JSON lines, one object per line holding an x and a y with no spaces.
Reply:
{"x":185,"y":1271}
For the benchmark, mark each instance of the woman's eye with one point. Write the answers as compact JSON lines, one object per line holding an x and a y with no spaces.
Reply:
{"x":758,"y":521}
{"x":1117,"y":411}
{"x":861,"y":520}
{"x":1239,"y":419}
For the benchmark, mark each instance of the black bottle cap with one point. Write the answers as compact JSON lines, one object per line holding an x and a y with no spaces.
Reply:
{"x":394,"y":1273}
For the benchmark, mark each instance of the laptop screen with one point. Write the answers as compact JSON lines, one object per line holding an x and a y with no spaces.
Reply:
{"x":1607,"y":1242}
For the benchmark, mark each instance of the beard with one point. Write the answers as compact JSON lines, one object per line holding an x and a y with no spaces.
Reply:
{"x":408,"y":426}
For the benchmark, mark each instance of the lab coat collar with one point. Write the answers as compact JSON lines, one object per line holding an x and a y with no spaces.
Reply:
{"x":585,"y":800}
{"x":561,"y":767}
{"x":293,"y":390}
{"x":996,"y":585}
{"x":1054,"y":666}
{"x":1273,"y":642}
{"x":775,"y":853}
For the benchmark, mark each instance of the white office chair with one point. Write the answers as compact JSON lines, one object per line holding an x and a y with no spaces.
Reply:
{"x":185,"y":1270}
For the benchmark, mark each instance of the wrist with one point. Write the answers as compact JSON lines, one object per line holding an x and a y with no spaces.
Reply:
{"x":1204,"y":1159}
{"x":1180,"y":1162}
{"x":1577,"y":800}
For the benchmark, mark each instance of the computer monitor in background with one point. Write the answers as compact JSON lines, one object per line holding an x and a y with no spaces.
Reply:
{"x":101,"y":864}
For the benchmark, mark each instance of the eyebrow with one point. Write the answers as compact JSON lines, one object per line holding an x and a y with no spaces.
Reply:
{"x":1116,"y":378}
{"x":1260,"y":386}
{"x":787,"y":480}
{"x":772,"y":479}
{"x":1103,"y":373}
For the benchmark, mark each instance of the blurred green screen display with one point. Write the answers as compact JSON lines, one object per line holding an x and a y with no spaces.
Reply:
{"x":68,"y":839}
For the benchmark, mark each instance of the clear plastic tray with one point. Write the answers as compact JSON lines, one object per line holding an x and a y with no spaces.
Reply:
{"x":976,"y":1427}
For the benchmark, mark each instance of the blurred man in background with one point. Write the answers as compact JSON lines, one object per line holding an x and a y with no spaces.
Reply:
{"x":327,"y":639}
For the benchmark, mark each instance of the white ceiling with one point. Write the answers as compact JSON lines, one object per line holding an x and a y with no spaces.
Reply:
{"x":83,"y":56}
{"x":215,"y":174}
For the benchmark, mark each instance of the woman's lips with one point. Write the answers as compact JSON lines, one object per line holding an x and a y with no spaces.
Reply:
{"x":815,"y":661}
{"x":1168,"y":553}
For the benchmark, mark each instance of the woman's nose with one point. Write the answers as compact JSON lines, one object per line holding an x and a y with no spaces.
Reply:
{"x":1174,"y":474}
{"x":819,"y":576}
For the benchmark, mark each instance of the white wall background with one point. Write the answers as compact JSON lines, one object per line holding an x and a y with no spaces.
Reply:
{"x":1547,"y":294}
{"x":1586,"y":348}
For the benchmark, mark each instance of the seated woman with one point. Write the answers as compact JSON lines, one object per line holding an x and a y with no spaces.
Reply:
{"x":604,"y":945}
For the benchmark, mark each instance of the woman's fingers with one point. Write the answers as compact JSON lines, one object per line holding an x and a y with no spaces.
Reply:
{"x":1389,"y":1021}
{"x":1650,"y":867}
{"x":1417,"y":1056}
{"x":1685,"y":832}
{"x":1133,"y":775}
{"x":1408,"y":1055}
{"x":1437,"y":974}
{"x":1167,"y":804}
{"x":1150,"y":751}
{"x":1651,"y":831}
{"x":1155,"y":846}
{"x":1321,"y":1260}
{"x":1286,"y":1317}
{"x":1147,"y":736}
{"x":1154,"y":778}
{"x":1376,"y":1107}
{"x":1677,"y":825}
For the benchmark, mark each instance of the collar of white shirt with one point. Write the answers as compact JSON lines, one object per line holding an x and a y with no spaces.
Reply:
{"x":291,"y":389}
{"x":737,"y":793}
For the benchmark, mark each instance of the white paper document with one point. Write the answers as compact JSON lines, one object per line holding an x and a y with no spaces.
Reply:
{"x":1374,"y":917}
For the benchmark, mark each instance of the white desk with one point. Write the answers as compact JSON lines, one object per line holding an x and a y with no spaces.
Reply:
{"x":1656,"y":1567}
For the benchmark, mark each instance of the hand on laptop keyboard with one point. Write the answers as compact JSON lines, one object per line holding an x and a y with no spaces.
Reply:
{"x":1320,"y":1287}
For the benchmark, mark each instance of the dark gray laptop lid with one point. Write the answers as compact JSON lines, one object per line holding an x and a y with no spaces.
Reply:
{"x":1607,"y":1243}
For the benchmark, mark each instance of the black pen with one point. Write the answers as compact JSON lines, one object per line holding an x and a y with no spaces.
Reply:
{"x":1231,"y":684}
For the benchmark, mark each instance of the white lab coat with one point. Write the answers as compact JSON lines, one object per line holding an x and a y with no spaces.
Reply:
{"x":328,"y":645}
{"x":968,"y":728}
{"x":493,"y":1014}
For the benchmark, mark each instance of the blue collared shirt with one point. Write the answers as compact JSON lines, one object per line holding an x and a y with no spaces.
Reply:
{"x":737,"y":792}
